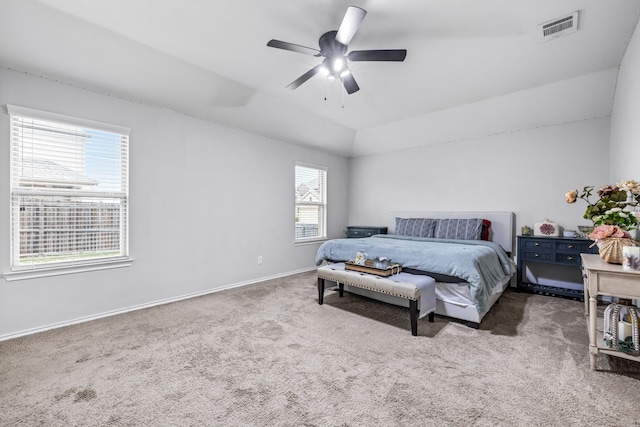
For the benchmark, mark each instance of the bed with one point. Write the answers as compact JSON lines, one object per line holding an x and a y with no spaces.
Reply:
{"x":467,"y":253}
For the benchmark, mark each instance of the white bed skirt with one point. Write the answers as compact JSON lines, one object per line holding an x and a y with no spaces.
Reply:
{"x":452,"y":299}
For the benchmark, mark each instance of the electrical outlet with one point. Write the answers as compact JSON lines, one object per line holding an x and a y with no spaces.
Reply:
{"x":260,"y":259}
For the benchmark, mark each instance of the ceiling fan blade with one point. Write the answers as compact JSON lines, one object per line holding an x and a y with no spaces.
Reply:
{"x":303,"y":78}
{"x":378,"y":55}
{"x":293,"y":47}
{"x":350,"y":23}
{"x":350,"y":84}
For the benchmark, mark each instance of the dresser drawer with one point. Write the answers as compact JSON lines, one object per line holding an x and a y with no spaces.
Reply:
{"x":538,"y":245}
{"x":573,"y":247}
{"x":541,"y":256}
{"x":568,"y":258}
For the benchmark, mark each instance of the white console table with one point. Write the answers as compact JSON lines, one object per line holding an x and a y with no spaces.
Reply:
{"x":601,"y":278}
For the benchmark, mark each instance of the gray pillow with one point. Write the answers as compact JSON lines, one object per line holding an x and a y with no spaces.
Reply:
{"x":459,"y":229}
{"x":419,"y":227}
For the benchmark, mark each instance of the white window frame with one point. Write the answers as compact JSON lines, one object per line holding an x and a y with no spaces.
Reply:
{"x":321,"y":203}
{"x":18,"y":189}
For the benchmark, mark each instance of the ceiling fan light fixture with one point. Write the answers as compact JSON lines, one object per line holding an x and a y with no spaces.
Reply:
{"x":333,"y":48}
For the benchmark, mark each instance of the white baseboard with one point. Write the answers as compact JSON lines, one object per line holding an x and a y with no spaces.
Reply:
{"x":25,"y":332}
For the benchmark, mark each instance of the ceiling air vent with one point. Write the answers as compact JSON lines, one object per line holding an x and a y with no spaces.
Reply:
{"x":558,"y":27}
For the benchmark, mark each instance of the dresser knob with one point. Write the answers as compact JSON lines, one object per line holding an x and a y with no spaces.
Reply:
{"x":536,"y":244}
{"x":571,"y":246}
{"x":536,"y":255}
{"x":570,"y":258}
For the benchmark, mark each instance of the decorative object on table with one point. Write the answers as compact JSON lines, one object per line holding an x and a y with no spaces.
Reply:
{"x":546,"y":228}
{"x":526,"y":230}
{"x":382,"y":263}
{"x":610,"y":240}
{"x":568,"y":233}
{"x":621,"y":327}
{"x":614,"y":215}
{"x":361,"y":258}
{"x":631,"y":257}
{"x":583,"y":231}
{"x":616,"y":206}
{"x":370,"y":268}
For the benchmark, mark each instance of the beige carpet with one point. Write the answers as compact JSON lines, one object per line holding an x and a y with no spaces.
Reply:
{"x":268,"y":354}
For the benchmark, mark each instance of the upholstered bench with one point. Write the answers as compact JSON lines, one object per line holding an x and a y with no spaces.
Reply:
{"x":420,"y":291}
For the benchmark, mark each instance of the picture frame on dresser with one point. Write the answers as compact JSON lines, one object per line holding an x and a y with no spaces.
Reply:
{"x":551,"y":265}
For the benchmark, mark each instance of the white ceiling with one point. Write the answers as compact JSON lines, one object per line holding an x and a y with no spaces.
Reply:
{"x":209,"y":59}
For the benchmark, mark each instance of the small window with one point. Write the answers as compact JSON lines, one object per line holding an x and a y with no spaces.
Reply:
{"x":311,"y":202}
{"x":69,"y":191}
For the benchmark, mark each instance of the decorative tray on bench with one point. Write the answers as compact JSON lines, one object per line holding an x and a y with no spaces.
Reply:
{"x":370,"y":269}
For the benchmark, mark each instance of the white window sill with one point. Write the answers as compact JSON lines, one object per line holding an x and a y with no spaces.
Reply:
{"x":312,"y":241}
{"x":36,"y":273}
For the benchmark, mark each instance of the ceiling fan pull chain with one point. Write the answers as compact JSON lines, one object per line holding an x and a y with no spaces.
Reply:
{"x":325,"y":89}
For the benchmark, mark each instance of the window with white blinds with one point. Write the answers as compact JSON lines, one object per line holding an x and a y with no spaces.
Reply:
{"x":311,"y":202}
{"x":69,"y":190}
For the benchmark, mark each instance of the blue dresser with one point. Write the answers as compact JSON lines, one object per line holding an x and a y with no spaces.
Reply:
{"x":364,"y":231}
{"x":551,"y":265}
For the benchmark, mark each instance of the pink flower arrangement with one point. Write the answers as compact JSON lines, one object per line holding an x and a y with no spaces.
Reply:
{"x":605,"y":231}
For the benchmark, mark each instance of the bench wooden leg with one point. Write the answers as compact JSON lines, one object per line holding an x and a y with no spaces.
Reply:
{"x":432,"y":316}
{"x":413,"y":316}
{"x":341,"y":289}
{"x":320,"y":291}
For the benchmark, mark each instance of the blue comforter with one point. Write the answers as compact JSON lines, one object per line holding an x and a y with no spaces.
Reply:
{"x":479,"y":262}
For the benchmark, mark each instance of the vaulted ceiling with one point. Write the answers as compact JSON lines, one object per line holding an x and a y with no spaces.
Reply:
{"x":210,"y":59}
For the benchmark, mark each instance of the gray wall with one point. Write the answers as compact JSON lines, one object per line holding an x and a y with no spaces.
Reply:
{"x":206,"y":201}
{"x":508,"y":162}
{"x":625,"y":118}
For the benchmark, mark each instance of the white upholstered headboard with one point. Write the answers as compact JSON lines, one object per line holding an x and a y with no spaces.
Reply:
{"x":502,"y":223}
